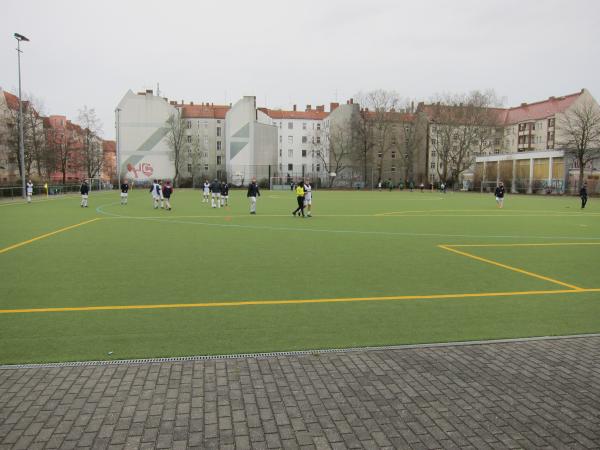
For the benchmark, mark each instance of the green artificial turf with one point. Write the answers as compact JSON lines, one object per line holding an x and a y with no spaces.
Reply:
{"x":358,"y":244}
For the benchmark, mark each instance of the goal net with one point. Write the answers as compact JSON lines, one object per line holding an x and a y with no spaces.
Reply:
{"x":286,"y":183}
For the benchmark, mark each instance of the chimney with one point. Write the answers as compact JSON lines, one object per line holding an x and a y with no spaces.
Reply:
{"x":392,"y":109}
{"x":366,"y":109}
{"x":308,"y":107}
{"x":294,"y":107}
{"x":552,"y":98}
{"x":412,"y":106}
{"x":191,"y":103}
{"x":173,"y":102}
{"x":523,"y":104}
{"x":149,"y":91}
{"x":321,"y":108}
{"x":352,"y":101}
{"x":333,"y":106}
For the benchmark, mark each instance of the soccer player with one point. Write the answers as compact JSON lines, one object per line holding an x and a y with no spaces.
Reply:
{"x":85,"y":190}
{"x":167,"y":190}
{"x":155,"y":191}
{"x":29,"y":191}
{"x":499,"y":193}
{"x":224,"y":194}
{"x":206,"y":192}
{"x":308,"y":198}
{"x":215,"y":189}
{"x":253,"y":192}
{"x":124,"y":192}
{"x":300,"y":198}
{"x":160,"y":192}
{"x":583,"y":194}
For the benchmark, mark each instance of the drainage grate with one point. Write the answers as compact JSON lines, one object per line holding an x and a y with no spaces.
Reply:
{"x":266,"y":355}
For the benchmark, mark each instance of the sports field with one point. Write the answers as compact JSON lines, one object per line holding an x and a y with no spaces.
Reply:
{"x":369,"y":269}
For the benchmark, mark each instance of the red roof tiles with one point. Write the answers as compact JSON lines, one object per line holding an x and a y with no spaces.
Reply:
{"x":532,"y":111}
{"x":313,"y":114}
{"x":204,"y":111}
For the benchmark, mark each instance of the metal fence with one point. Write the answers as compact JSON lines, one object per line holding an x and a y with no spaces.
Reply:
{"x":14,"y":192}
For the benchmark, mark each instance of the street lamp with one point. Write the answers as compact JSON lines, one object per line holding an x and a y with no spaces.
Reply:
{"x":118,"y":149}
{"x":19,"y":38}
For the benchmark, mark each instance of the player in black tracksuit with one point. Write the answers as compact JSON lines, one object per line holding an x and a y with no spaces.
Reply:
{"x":583,"y":194}
{"x":85,"y":190}
{"x":224,"y":194}
{"x":499,"y":193}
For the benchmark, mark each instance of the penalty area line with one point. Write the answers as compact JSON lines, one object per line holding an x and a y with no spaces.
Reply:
{"x":43,"y":236}
{"x":294,"y":302}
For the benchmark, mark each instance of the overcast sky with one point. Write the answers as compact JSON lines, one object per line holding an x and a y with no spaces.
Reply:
{"x":301,"y":52}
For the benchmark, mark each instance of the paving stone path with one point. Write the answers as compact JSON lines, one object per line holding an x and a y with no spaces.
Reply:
{"x":529,"y":394}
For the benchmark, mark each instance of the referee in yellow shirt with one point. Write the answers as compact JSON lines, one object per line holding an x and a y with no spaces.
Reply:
{"x":300,"y":197}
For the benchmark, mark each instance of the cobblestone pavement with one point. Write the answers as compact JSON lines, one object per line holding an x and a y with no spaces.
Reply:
{"x":528,"y":394}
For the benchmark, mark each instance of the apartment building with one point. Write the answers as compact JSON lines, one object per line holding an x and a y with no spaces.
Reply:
{"x":302,"y":138}
{"x":520,"y":133}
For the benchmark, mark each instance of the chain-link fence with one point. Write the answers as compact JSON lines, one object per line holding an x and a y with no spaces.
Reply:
{"x":15,"y":192}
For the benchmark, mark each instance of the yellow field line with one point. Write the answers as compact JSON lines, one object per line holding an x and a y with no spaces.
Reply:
{"x":506,"y":266}
{"x":543,"y":244}
{"x":292,"y":302}
{"x":43,"y":236}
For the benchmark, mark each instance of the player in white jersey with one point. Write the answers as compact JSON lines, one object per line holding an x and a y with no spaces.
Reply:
{"x":160,"y":192}
{"x":29,"y":191}
{"x":155,"y":191}
{"x":206,"y":192}
{"x":308,"y":198}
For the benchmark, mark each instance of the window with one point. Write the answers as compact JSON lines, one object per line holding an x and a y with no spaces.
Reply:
{"x":218,"y":131}
{"x":433,"y":141}
{"x":205,"y":141}
{"x":432,"y":165}
{"x":189,"y":124}
{"x":290,"y":125}
{"x":304,"y":139}
{"x":189,"y":168}
{"x":318,"y":167}
{"x":218,"y":145}
{"x":280,"y":153}
{"x":393,"y":155}
{"x":205,"y":154}
{"x":497,"y":141}
{"x":280,"y":139}
{"x":304,"y":125}
{"x":189,"y":139}
{"x":393,"y":168}
{"x":218,"y":160}
{"x":318,"y":125}
{"x":379,"y":154}
{"x":290,"y":167}
{"x":304,"y":153}
{"x":318,"y":139}
{"x":550,"y":123}
{"x":206,"y":167}
{"x":433,"y":153}
{"x":290,"y":139}
{"x":218,"y":121}
{"x":290,"y":153}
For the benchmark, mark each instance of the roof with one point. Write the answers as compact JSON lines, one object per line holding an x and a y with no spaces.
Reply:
{"x":12,"y":101}
{"x":312,"y":114}
{"x":394,"y":116}
{"x":526,"y":111}
{"x":540,"y":110}
{"x":204,"y":111}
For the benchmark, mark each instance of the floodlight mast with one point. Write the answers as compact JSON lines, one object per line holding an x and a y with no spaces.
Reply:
{"x":19,"y":38}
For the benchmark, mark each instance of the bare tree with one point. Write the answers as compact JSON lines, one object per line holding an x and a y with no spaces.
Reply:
{"x":175,"y":125}
{"x":91,"y":150}
{"x":375,"y":127}
{"x":413,"y":135}
{"x":580,"y":129}
{"x":62,"y":143}
{"x":35,"y":139}
{"x":336,"y":157}
{"x":461,"y":126}
{"x":195,"y":156}
{"x":13,"y":138}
